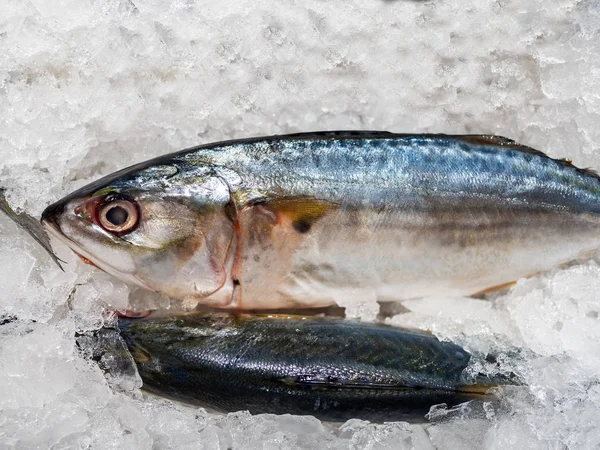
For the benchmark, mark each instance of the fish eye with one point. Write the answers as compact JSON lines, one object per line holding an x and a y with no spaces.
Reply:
{"x":119,"y":216}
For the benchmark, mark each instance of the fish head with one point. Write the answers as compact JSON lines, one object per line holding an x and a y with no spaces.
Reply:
{"x":166,"y":228}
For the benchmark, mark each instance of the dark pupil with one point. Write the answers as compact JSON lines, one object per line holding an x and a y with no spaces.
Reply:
{"x":117,"y":215}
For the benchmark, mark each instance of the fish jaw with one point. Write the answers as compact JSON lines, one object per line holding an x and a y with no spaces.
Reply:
{"x":130,"y":278}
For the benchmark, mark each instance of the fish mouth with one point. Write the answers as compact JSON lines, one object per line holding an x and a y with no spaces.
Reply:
{"x":53,"y":230}
{"x":51,"y":212}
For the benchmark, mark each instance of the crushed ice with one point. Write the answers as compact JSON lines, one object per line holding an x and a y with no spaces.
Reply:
{"x":87,"y":87}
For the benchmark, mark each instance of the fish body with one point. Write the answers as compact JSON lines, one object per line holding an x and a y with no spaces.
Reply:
{"x":330,"y":368}
{"x":316,"y":219}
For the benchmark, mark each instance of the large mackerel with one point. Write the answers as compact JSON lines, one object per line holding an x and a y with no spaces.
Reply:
{"x":314,"y":219}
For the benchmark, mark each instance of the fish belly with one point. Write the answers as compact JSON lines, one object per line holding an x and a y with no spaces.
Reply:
{"x":398,"y":255}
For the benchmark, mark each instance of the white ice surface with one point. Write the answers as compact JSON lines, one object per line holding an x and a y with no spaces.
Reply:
{"x":90,"y":86}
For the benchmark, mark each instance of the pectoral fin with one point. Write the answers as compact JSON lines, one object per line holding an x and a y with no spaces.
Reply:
{"x":300,"y":213}
{"x":269,"y":236}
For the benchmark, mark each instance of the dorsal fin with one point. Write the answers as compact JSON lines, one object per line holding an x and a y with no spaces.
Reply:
{"x":509,"y":144}
{"x":498,"y":141}
{"x":339,"y":134}
{"x":471,"y":139}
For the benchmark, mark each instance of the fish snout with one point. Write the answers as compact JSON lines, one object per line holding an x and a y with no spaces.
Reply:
{"x":51,"y":214}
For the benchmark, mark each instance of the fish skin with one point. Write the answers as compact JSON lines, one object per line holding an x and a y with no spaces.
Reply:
{"x":315,"y":219}
{"x":333,"y":369}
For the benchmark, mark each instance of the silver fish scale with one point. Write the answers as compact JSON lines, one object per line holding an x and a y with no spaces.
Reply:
{"x":375,"y":171}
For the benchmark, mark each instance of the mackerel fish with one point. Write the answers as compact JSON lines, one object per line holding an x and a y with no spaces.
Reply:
{"x":333,"y":369}
{"x":311,"y":220}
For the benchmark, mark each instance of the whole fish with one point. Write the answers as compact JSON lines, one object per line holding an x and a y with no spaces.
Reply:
{"x":331,"y":368}
{"x":308,"y":220}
